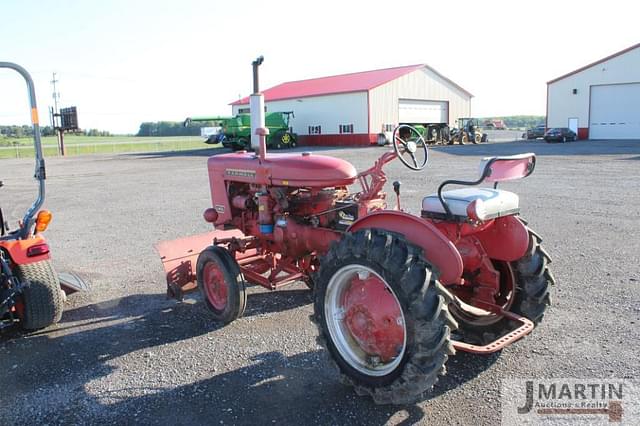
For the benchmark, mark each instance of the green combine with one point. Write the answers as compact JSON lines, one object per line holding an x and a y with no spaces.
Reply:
{"x":235,"y":132}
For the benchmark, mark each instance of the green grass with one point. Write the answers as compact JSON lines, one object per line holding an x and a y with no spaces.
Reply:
{"x":83,"y":145}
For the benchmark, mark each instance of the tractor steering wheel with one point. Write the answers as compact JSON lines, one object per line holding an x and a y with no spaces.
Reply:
{"x":407,"y":140}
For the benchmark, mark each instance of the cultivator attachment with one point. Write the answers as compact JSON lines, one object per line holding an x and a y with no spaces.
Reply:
{"x":179,"y":258}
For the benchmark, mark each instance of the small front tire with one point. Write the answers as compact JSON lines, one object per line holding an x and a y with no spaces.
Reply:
{"x":221,"y":284}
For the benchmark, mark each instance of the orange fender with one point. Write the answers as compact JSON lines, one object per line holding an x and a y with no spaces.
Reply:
{"x":438,"y":249}
{"x":18,"y":249}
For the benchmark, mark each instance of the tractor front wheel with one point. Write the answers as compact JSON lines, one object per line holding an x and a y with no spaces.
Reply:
{"x":381,"y":316}
{"x":221,"y":284}
{"x":42,"y":297}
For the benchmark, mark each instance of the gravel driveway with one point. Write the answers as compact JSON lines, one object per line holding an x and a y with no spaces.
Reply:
{"x":125,"y":354}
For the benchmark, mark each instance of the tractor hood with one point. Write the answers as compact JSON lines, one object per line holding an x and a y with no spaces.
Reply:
{"x":303,"y":169}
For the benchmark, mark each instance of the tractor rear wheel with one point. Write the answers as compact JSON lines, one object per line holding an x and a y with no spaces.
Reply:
{"x":221,"y":284}
{"x":42,"y":297}
{"x":525,"y":283}
{"x":381,"y":316}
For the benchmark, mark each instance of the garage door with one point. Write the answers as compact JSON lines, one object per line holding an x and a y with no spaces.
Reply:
{"x":615,"y":112}
{"x":412,"y":111}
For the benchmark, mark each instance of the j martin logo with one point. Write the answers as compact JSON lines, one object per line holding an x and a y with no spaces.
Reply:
{"x":570,"y":401}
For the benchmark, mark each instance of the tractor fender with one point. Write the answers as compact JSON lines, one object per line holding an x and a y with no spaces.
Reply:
{"x":438,"y":249}
{"x":507,"y":239}
{"x":17,"y":250}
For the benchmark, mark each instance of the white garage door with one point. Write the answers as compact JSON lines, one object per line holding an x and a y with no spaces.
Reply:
{"x":615,"y":112}
{"x":412,"y":111}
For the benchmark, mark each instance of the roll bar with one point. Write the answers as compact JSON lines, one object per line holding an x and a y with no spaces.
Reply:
{"x":40,"y":172}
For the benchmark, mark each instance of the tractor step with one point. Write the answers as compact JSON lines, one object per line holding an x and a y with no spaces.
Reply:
{"x":526,"y":328}
{"x":72,"y":283}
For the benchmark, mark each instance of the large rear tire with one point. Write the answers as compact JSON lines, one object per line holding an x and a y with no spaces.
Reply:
{"x":42,"y":297}
{"x":531,"y":279}
{"x":221,"y":284}
{"x":381,"y":316}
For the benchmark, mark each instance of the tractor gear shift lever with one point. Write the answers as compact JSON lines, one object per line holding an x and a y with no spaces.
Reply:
{"x":396,"y":189}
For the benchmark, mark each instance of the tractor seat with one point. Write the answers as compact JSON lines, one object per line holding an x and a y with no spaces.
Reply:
{"x":495,"y":203}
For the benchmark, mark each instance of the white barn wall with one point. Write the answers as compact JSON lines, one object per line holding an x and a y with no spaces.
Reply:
{"x":327,"y":111}
{"x":422,"y":84}
{"x":562,"y":104}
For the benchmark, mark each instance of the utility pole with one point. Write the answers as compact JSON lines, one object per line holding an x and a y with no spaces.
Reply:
{"x":56,"y":115}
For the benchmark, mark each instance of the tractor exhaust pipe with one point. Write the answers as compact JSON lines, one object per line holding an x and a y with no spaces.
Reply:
{"x":256,"y":106}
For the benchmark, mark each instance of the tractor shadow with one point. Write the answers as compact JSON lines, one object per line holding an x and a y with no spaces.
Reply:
{"x":90,"y":342}
{"x":261,"y":301}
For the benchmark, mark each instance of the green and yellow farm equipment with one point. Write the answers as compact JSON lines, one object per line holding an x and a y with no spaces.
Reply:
{"x":235,"y":131}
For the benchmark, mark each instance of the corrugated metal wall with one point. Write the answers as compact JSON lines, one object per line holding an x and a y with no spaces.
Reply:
{"x":563,"y":103}
{"x":420,"y":84}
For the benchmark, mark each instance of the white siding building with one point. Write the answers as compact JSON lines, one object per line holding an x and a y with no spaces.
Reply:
{"x":354,"y":109}
{"x":600,"y":100}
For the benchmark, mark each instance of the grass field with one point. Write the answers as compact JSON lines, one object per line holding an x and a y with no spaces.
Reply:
{"x":82,"y":145}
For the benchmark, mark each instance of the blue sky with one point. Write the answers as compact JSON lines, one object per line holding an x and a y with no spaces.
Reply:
{"x":124,"y":62}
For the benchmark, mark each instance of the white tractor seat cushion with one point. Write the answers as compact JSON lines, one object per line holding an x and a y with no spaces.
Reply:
{"x":497,"y":202}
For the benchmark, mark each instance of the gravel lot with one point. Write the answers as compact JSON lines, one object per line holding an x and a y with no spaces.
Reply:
{"x":125,"y":354}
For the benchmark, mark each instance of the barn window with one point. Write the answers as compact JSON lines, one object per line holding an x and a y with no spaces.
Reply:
{"x":243,"y":110}
{"x":387,"y":127}
{"x":345,"y":128}
{"x":315,"y":130}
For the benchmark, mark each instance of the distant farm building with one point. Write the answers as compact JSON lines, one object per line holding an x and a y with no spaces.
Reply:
{"x":600,"y":100}
{"x":355,"y":109}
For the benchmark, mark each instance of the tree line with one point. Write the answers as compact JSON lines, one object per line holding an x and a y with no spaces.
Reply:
{"x":512,"y":121}
{"x":171,"y":128}
{"x":22,"y":131}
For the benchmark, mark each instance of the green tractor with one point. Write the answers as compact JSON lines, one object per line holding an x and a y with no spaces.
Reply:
{"x":235,"y":131}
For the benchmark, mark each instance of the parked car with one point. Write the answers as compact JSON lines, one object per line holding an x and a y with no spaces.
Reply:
{"x":534,"y":132}
{"x":560,"y":134}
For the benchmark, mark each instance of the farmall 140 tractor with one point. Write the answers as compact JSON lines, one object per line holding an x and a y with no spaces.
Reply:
{"x":32,"y":293}
{"x":394,"y":294}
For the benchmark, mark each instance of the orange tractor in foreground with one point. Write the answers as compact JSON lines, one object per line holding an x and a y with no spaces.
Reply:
{"x":32,"y":293}
{"x":394,"y":294}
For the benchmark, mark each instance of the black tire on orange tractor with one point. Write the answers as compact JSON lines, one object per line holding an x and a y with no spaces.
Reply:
{"x":402,"y":276}
{"x":531,"y":297}
{"x":42,"y":297}
{"x":221,"y":284}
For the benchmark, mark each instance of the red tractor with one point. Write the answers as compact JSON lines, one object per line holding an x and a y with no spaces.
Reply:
{"x":390,"y":289}
{"x":31,"y":292}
